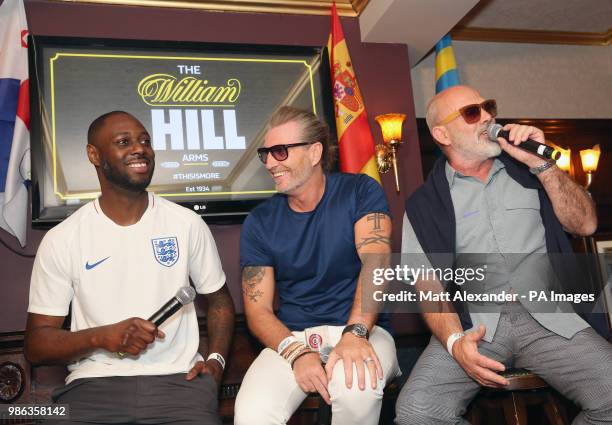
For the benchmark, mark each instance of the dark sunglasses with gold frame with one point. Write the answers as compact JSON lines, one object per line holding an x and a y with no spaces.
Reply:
{"x":471,"y":113}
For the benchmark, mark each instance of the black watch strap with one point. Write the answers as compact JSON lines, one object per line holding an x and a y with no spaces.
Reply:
{"x":358,"y":329}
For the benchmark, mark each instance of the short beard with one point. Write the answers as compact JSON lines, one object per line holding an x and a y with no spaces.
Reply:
{"x":305,"y":173}
{"x":478,"y":149}
{"x":491,"y":149}
{"x":123,"y":181}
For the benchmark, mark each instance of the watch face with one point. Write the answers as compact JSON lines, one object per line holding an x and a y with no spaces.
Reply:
{"x":360,"y":330}
{"x":357,"y":329}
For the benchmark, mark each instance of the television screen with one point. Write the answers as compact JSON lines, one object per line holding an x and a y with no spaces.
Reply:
{"x":205,"y":106}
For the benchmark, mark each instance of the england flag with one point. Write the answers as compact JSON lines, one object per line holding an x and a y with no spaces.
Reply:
{"x":14,"y":119}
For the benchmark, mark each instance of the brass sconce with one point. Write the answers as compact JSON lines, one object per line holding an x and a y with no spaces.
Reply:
{"x":391,"y":127}
{"x":590,"y":159}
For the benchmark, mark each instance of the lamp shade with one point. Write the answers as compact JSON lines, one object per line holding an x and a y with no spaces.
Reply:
{"x":391,"y":126}
{"x":590,"y":159}
{"x":565,"y":161}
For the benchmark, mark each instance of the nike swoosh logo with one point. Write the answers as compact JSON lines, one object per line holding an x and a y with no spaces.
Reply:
{"x":91,"y":266}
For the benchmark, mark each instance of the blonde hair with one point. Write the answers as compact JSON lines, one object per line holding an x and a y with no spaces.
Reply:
{"x":312,"y":130}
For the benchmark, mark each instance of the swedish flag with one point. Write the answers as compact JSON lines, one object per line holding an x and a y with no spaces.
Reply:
{"x":446,"y":67}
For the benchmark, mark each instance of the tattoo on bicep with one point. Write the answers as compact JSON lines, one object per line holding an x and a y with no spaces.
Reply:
{"x":254,"y":295}
{"x":251,"y":278}
{"x":253,"y":275}
{"x":376,"y":234}
{"x":375,"y":238}
{"x":377,"y":218}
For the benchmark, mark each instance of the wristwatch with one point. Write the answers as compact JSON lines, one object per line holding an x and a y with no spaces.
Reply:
{"x":357,"y":329}
{"x":540,"y":168}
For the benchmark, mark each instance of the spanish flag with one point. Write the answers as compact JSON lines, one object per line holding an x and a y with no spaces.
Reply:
{"x":354,"y":136}
{"x":446,"y":66}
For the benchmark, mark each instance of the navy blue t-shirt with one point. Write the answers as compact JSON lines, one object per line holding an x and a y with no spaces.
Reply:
{"x":313,"y":254}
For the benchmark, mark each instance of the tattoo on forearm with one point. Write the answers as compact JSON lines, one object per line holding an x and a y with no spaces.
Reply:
{"x":377,"y":218}
{"x":251,"y":278}
{"x":376,"y":238}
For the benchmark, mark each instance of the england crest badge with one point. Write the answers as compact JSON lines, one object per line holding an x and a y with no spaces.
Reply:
{"x":166,"y":250}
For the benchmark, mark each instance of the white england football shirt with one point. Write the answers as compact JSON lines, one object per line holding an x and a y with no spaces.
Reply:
{"x":110,"y":273}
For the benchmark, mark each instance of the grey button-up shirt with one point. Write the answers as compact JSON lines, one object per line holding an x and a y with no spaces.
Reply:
{"x":500,"y":218}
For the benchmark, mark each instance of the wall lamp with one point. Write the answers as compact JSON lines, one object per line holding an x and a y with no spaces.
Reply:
{"x":565,"y":160}
{"x":391,"y":127}
{"x":590,"y":159}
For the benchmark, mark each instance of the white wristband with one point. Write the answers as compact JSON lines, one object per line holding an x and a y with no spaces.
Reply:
{"x":218,"y":357}
{"x":285,"y":343}
{"x":451,"y":341}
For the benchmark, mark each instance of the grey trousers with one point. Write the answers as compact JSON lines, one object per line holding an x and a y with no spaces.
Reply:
{"x":140,"y":400}
{"x":438,"y":390}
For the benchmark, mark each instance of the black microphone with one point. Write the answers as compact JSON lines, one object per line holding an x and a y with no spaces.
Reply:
{"x":184,"y":296}
{"x":495,"y":130}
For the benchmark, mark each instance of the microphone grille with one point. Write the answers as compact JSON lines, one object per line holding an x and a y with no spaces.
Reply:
{"x":493,"y":130}
{"x":185,"y":295}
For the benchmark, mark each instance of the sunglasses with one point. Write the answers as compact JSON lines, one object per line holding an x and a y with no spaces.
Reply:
{"x":471,"y":113}
{"x":279,"y":152}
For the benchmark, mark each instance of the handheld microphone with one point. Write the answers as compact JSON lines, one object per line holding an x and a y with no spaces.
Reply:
{"x":184,"y":296}
{"x":495,"y":130}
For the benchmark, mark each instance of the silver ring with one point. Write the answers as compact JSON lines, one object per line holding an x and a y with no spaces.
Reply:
{"x":368,"y":359}
{"x":120,"y":354}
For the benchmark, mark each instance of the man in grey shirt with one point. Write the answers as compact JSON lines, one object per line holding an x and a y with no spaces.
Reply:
{"x":495,"y":214}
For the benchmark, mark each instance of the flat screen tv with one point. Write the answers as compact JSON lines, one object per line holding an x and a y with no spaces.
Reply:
{"x":206,"y":107}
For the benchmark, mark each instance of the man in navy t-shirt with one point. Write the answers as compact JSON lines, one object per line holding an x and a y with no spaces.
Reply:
{"x":308,"y":244}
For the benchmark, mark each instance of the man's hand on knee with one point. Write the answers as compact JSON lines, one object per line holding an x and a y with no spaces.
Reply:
{"x":310,"y":375}
{"x":130,"y":336}
{"x":480,"y":368}
{"x":352,"y":349}
{"x":213,"y":368}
